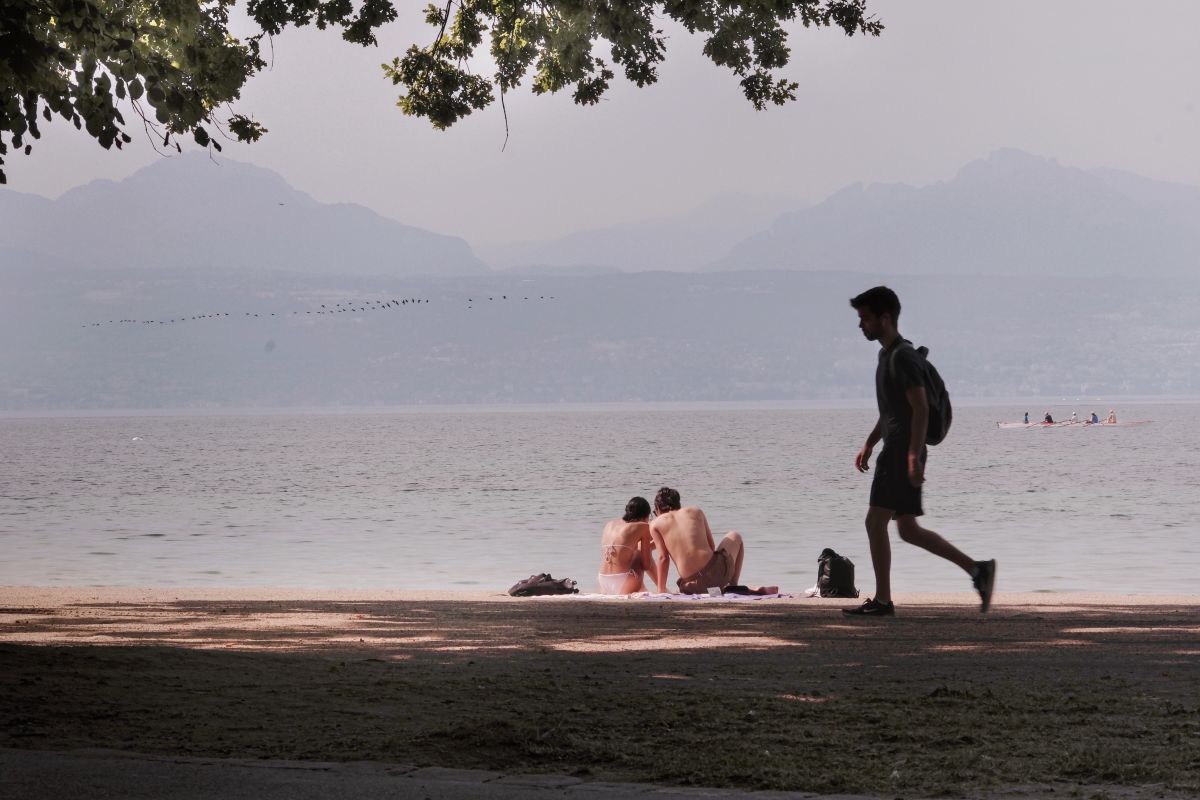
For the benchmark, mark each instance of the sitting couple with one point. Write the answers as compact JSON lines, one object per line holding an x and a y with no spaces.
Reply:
{"x":679,"y":534}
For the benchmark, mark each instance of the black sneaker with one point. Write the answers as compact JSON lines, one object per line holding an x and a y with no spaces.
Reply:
{"x":985,"y":581}
{"x":870,"y":608}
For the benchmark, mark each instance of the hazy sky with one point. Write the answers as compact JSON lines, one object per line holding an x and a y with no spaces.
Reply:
{"x":1091,"y":83}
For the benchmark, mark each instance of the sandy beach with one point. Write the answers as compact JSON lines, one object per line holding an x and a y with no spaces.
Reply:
{"x":1091,"y":695}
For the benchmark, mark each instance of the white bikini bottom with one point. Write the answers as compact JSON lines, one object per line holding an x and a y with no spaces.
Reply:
{"x":614,"y":582}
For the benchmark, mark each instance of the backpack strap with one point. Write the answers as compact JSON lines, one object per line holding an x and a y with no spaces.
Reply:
{"x":922,"y":351}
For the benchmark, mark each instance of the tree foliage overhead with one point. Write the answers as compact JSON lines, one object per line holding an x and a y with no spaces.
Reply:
{"x":175,"y":66}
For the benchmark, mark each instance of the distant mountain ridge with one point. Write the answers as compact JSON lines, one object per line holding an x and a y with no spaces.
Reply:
{"x":191,"y":212}
{"x":681,"y":242}
{"x":1010,"y":213}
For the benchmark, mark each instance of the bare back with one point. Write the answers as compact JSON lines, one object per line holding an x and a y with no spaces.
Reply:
{"x":685,"y":535}
{"x":621,"y":543}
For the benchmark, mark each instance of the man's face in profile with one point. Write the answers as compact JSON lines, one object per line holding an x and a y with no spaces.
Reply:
{"x":869,"y":324}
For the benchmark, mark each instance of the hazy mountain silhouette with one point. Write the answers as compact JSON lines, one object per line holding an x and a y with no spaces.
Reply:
{"x":191,"y":212}
{"x":682,"y":242}
{"x":1010,"y":213}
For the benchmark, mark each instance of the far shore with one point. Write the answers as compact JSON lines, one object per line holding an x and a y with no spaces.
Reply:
{"x":1088,"y":693}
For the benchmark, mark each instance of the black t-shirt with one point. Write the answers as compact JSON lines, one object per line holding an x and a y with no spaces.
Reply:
{"x":893,"y":377}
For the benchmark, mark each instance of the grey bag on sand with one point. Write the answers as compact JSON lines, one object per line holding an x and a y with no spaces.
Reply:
{"x":542,"y":584}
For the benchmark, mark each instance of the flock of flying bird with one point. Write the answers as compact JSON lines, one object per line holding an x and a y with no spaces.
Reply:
{"x":337,"y":308}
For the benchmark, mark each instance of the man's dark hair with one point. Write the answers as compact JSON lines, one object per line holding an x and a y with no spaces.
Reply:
{"x":667,"y":499}
{"x":879,"y":300}
{"x":637,"y":508}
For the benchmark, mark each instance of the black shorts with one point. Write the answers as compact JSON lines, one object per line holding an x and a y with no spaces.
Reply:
{"x":891,"y":488}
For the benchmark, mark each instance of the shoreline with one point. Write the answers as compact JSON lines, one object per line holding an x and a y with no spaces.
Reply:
{"x":19,"y":596}
{"x":1088,"y":693}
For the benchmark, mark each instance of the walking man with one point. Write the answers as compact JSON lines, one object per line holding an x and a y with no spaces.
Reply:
{"x":900,"y":469}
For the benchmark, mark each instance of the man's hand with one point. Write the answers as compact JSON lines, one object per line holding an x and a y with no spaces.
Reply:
{"x":864,"y":456}
{"x":916,"y":470}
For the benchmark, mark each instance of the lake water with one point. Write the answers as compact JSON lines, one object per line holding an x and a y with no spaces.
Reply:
{"x":479,"y":498}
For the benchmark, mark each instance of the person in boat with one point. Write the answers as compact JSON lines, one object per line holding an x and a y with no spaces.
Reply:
{"x":1026,"y":417}
{"x":682,"y":535}
{"x":1074,"y":417}
{"x":902,"y":424}
{"x":1049,"y":420}
{"x":625,"y":548}
{"x":1095,"y":420}
{"x":1112,"y":417}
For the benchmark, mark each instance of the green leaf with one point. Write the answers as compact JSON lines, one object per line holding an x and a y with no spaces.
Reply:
{"x":182,"y":58}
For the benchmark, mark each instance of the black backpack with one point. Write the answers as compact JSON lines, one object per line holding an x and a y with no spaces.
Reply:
{"x":835,"y":575}
{"x":941,"y":413}
{"x":542,"y":584}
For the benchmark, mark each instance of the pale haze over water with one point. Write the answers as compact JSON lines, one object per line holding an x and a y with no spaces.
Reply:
{"x":478,"y":498}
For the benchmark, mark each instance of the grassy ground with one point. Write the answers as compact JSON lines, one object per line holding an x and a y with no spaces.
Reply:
{"x":761,"y":695}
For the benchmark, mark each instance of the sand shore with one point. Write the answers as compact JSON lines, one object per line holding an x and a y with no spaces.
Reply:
{"x":1091,"y":693}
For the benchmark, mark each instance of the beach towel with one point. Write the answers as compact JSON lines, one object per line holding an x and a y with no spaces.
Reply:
{"x":728,"y":597}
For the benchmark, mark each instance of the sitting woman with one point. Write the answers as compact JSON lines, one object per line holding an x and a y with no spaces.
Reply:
{"x":625,"y":550}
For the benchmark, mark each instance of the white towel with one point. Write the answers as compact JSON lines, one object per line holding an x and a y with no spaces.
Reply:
{"x":725,"y":598}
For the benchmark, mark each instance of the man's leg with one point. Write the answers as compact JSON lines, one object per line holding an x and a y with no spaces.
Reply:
{"x":912,"y":532}
{"x":732,"y":544}
{"x":983,"y":573}
{"x":881,"y":552}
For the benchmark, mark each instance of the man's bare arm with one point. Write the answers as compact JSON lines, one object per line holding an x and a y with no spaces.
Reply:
{"x":920,"y":426}
{"x":647,"y":554}
{"x":861,"y":461}
{"x":712,"y":543}
{"x":662,"y":560}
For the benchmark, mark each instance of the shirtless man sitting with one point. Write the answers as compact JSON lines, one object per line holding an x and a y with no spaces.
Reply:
{"x":683,"y":535}
{"x":625,"y":550}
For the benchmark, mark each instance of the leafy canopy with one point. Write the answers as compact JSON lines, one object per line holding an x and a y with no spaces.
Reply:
{"x":176,"y":66}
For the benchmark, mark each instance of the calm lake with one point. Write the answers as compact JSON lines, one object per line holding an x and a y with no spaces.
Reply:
{"x":478,"y":498}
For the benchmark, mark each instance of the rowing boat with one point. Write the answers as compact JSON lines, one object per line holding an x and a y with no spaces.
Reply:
{"x":1069,"y":424}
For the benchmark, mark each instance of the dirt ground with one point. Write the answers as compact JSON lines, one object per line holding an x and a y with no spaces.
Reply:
{"x":1090,"y":699}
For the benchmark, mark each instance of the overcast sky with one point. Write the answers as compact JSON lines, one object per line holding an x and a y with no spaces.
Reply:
{"x":1091,"y":83}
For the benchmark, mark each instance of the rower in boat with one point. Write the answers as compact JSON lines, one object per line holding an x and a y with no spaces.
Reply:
{"x":1074,"y":418}
{"x":1095,"y":420}
{"x":1026,"y":417}
{"x":1112,"y":417}
{"x":1048,"y":420}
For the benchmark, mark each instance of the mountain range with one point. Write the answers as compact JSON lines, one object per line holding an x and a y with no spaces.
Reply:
{"x":191,"y":212}
{"x":1008,"y":214}
{"x":681,"y":242}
